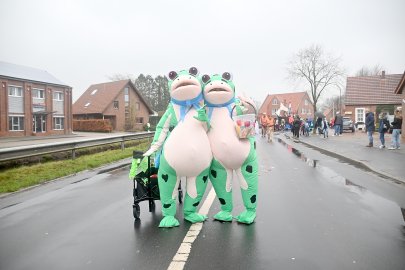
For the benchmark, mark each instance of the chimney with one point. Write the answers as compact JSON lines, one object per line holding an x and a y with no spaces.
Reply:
{"x":383,"y":74}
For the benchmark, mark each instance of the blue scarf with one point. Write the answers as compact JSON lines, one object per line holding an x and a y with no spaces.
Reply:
{"x":226,"y":104}
{"x":185,"y":105}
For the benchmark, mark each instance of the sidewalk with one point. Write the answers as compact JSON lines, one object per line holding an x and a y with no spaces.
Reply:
{"x":389,"y":163}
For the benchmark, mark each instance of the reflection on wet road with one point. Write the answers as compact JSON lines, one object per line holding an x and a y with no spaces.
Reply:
{"x":332,"y":175}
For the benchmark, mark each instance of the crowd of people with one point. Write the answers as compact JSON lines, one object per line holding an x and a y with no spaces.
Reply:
{"x":302,"y":126}
{"x":384,"y":126}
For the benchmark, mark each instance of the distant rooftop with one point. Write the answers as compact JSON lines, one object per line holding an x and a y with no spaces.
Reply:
{"x":376,"y":89}
{"x":28,"y":74}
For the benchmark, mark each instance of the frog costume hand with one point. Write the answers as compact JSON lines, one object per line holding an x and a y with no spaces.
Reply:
{"x":186,"y":152}
{"x":231,"y":154}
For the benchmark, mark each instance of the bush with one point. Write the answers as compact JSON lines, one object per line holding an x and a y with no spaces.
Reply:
{"x":96,"y":125}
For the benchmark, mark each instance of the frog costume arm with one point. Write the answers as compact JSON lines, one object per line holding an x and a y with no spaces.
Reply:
{"x":163,"y":128}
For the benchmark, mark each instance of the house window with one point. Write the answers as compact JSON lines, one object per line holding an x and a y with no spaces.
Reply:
{"x":58,"y":96}
{"x":306,"y":102}
{"x":275,"y":102}
{"x":15,"y":91}
{"x":273,"y":111}
{"x":126,"y":96}
{"x":38,"y":93}
{"x":115,"y":105}
{"x":139,"y":120}
{"x":137,"y":106}
{"x":58,"y":123}
{"x":303,"y":111}
{"x":359,"y":115}
{"x":16,"y":123}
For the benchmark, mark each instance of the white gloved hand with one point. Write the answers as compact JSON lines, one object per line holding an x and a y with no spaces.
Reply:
{"x":149,"y":152}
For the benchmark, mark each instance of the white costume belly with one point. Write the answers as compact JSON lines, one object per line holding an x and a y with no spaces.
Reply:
{"x":187,"y":150}
{"x":226,"y":147}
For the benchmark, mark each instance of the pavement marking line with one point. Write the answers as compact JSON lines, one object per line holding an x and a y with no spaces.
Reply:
{"x":181,"y":257}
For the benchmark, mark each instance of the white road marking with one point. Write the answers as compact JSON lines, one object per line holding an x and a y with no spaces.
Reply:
{"x":181,"y":257}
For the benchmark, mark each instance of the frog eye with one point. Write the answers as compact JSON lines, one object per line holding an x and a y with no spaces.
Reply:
{"x":227,"y":76}
{"x":193,"y":71}
{"x":205,"y":78}
{"x":172,"y":75}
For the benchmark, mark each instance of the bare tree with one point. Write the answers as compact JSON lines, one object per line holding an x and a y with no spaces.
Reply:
{"x":369,"y":71}
{"x":119,"y":77}
{"x":317,"y":69}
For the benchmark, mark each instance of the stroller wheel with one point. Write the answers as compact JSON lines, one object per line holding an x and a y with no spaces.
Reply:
{"x":152,"y":206}
{"x":180,"y":196}
{"x":137,"y":211}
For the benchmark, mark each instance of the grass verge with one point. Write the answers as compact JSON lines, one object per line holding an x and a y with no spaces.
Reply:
{"x":14,"y":179}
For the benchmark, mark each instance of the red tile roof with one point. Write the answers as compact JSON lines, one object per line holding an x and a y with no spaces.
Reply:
{"x":295,"y":98}
{"x":372,"y":89}
{"x":102,"y":98}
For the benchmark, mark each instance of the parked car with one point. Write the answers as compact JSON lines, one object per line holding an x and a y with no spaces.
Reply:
{"x":360,"y":125}
{"x":348,"y":124}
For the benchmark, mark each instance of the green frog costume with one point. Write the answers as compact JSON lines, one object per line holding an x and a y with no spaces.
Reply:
{"x":186,"y":152}
{"x":231,"y":154}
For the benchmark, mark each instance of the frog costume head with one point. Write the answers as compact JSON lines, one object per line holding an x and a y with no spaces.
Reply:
{"x":218,"y":90}
{"x":185,"y":90}
{"x":185,"y":85}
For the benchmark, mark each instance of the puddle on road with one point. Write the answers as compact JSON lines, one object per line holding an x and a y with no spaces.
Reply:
{"x":335,"y":177}
{"x":298,"y":153}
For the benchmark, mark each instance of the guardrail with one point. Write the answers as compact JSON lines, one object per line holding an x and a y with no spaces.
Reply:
{"x":14,"y":153}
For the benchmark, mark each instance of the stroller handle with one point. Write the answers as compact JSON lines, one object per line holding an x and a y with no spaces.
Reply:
{"x":137,"y":154}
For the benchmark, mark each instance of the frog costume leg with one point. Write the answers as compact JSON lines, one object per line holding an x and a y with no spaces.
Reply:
{"x":221,"y":179}
{"x":248,"y":177}
{"x":167,"y":180}
{"x":195,"y":190}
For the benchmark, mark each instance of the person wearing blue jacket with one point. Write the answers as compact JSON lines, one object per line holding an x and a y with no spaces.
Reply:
{"x":384,"y":126}
{"x":370,"y":127}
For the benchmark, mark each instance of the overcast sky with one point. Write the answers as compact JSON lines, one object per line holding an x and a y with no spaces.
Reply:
{"x":83,"y":42}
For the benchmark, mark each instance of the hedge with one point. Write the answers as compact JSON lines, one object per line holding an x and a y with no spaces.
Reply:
{"x":97,"y":125}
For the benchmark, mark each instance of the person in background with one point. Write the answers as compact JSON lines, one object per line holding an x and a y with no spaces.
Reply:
{"x":325,"y":127}
{"x":306,"y":128}
{"x":370,"y":127}
{"x":384,"y":126}
{"x":332,"y":123}
{"x":265,"y":123}
{"x":296,"y":126}
{"x":318,"y":125}
{"x":338,"y":124}
{"x":396,"y":129}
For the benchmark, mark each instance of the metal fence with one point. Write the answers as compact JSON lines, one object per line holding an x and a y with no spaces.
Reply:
{"x":14,"y":153}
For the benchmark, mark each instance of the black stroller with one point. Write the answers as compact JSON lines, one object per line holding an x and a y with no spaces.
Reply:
{"x":146,"y":186}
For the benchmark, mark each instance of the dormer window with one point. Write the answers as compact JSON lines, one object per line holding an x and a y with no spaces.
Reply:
{"x":275,"y":102}
{"x":94,"y":91}
{"x":87,"y":104}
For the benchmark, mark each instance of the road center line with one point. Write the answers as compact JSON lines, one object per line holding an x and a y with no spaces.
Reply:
{"x":181,"y":257}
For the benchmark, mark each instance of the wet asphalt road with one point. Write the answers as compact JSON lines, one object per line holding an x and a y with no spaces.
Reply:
{"x":331,"y":216}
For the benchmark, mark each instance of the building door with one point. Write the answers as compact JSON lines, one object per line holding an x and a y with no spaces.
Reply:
{"x":39,"y":123}
{"x":360,"y":115}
